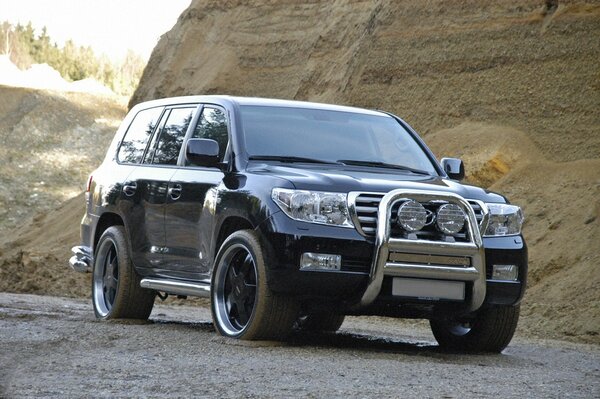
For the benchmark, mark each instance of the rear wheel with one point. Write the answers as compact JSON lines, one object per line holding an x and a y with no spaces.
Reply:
{"x":491,"y":330}
{"x":242,"y":304}
{"x":116,"y":291}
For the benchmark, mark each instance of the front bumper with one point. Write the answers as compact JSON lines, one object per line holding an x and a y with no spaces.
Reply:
{"x":370,"y":264}
{"x":285,"y":240}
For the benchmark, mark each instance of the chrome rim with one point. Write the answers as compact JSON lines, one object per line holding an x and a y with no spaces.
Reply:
{"x":234,"y":294}
{"x":106,"y":277}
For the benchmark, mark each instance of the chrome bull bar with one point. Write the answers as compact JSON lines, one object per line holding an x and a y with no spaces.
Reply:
{"x":385,"y":245}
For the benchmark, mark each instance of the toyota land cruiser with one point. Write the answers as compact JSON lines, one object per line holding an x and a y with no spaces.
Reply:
{"x":291,"y":215}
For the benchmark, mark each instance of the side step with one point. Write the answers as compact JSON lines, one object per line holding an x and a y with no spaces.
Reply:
{"x":177,"y":287}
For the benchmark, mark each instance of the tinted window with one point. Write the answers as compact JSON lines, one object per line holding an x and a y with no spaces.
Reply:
{"x":330,"y":136}
{"x":171,"y":136}
{"x":213,"y":125}
{"x":137,"y":136}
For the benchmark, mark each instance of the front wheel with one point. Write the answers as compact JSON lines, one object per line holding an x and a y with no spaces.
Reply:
{"x":242,"y":304}
{"x":491,"y":330}
{"x":116,"y":291}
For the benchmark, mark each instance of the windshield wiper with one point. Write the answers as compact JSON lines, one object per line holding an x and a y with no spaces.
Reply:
{"x":382,"y":165}
{"x":282,"y":158}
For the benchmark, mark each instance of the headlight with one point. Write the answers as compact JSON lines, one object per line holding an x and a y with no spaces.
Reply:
{"x":314,"y":206}
{"x":504,"y":220}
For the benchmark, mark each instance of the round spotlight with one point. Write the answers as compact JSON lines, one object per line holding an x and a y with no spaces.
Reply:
{"x":412,"y":216}
{"x":450,"y":218}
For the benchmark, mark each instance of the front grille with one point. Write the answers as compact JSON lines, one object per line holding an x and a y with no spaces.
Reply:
{"x":366,"y":206}
{"x":478,"y":211}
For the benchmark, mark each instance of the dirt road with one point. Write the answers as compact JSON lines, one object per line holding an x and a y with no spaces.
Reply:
{"x":53,"y":347}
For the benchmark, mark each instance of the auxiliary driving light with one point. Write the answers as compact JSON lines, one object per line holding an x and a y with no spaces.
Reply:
{"x":450,"y":218}
{"x":315,"y":261}
{"x":412,"y":216}
{"x":505,"y":272}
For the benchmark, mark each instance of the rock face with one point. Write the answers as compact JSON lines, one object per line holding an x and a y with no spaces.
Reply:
{"x":435,"y":63}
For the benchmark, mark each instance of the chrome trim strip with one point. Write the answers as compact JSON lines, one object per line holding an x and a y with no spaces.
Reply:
{"x":384,"y":244}
{"x":82,"y":259}
{"x":428,"y":259}
{"x":432,"y":272}
{"x":177,"y":287}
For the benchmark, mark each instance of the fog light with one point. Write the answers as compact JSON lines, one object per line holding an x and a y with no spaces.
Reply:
{"x":314,"y":261}
{"x":412,"y":216}
{"x":505,"y":272}
{"x":450,"y":218}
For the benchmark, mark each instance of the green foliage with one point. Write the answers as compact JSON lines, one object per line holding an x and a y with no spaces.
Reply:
{"x":73,"y":62}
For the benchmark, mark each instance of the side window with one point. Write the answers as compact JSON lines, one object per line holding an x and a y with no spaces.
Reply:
{"x":136,"y":139}
{"x":213,"y":125}
{"x":172,"y":135}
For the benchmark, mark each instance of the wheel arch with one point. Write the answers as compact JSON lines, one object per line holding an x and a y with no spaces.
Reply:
{"x":229,"y":226}
{"x":107,"y":220}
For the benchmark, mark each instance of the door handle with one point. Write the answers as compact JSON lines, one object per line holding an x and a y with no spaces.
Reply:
{"x":175,"y":192}
{"x":129,"y":189}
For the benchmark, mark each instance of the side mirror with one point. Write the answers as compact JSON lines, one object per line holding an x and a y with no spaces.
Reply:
{"x":202,"y":152}
{"x":454,"y":168}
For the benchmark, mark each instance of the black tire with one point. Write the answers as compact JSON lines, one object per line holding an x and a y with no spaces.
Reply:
{"x":116,"y":291}
{"x":242,"y":304}
{"x":322,"y":321}
{"x":490,"y":331}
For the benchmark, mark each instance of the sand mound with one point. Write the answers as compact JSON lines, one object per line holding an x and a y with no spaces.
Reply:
{"x":49,"y":143}
{"x":43,"y":76}
{"x":488,"y":151}
{"x":561,"y":205}
{"x":34,"y":260}
{"x":560,"y":201}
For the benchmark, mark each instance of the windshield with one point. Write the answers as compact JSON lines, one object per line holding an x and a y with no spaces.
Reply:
{"x":330,"y":136}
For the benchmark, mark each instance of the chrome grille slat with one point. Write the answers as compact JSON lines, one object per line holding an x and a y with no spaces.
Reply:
{"x":477,"y":210}
{"x":367,"y":219}
{"x":366,"y":206}
{"x":366,"y":209}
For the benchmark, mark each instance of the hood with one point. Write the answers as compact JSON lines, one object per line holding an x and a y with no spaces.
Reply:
{"x":345,"y":178}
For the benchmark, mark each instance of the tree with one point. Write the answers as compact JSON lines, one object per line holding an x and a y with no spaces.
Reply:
{"x":73,"y":62}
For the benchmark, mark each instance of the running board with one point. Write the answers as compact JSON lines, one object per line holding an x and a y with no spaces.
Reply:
{"x":177,"y":287}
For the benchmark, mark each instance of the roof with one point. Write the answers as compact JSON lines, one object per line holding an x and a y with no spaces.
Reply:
{"x":257,"y":101}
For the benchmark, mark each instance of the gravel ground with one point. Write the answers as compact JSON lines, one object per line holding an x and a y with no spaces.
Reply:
{"x":53,"y":347}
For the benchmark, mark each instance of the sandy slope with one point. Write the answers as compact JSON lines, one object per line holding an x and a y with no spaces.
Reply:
{"x":49,"y":142}
{"x":562,"y":225}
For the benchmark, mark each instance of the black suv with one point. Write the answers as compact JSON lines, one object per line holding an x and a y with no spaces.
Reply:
{"x":291,"y":215}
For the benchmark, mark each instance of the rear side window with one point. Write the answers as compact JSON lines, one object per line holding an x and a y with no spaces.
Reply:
{"x":213,"y":125}
{"x":137,"y":136}
{"x":172,"y":135}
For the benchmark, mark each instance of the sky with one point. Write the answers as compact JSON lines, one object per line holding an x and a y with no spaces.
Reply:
{"x":108,"y":26}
